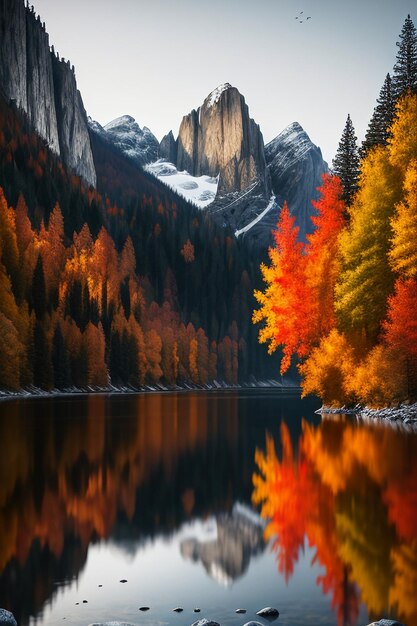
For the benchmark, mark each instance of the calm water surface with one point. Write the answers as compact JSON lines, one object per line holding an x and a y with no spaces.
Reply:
{"x":216,"y":500}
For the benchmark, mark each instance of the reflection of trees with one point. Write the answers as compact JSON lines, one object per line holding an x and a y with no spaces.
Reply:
{"x":93,"y":473}
{"x":352,"y":492}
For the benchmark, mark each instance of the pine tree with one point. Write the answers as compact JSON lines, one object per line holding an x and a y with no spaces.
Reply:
{"x":382,"y":118}
{"x":60,"y":361}
{"x":405,"y":69}
{"x":346,"y":162}
{"x":39,"y":290}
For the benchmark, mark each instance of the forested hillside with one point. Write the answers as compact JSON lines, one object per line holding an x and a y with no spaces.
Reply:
{"x":127,"y":283}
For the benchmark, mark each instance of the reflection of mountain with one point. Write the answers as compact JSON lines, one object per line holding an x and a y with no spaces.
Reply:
{"x":239,"y":537}
{"x":351,"y":491}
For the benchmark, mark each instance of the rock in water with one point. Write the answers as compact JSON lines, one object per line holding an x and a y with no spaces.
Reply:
{"x":178,"y":609}
{"x":252,"y":623}
{"x":111,"y":624}
{"x":123,"y":580}
{"x":197,"y":610}
{"x":143,"y":608}
{"x":268,"y":613}
{"x":7,"y":618}
{"x":240,"y":611}
{"x":205,"y":622}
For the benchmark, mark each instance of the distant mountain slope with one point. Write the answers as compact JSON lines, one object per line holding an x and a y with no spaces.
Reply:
{"x":296,"y":167}
{"x":139,"y":144}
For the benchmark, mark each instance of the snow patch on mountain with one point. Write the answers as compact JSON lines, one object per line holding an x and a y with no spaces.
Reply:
{"x":215,"y":95}
{"x":200,"y":190}
{"x":271,"y":204}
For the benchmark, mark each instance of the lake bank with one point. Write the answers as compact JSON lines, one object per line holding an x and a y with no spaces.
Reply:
{"x":404,"y":415}
{"x":36,"y":392}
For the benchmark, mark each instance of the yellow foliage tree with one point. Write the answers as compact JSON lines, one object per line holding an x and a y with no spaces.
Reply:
{"x":326,"y":369}
{"x":402,"y":144}
{"x":403,"y":253}
{"x":366,"y":279}
{"x":380,"y":379}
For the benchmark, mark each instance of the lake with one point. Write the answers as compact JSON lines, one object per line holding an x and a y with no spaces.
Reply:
{"x":217,"y":500}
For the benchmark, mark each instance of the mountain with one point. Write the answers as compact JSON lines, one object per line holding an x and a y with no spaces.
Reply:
{"x":43,"y":86}
{"x":296,"y":167}
{"x":219,"y":138}
{"x":168,"y":148}
{"x":139,"y":144}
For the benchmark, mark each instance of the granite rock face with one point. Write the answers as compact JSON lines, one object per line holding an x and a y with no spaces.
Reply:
{"x":296,"y":167}
{"x":40,"y":83}
{"x":187,"y":144}
{"x":74,"y":139}
{"x":168,"y":148}
{"x":32,"y":77}
{"x":221,"y":138}
{"x":13,"y":65}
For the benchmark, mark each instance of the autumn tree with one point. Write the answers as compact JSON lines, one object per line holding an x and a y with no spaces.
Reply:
{"x":187,"y":252}
{"x":285,"y":301}
{"x":327,"y":368}
{"x":403,"y":252}
{"x":366,"y":280}
{"x":97,"y":374}
{"x":322,"y":265}
{"x":400,"y":328}
{"x":402,"y":143}
{"x":9,"y":248}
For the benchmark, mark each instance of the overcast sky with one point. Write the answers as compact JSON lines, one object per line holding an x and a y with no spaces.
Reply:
{"x":158,"y":59}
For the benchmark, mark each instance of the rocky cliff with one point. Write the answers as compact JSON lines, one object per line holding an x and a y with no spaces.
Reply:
{"x":168,"y":148}
{"x":43,"y":86}
{"x":296,"y":167}
{"x":74,"y":139}
{"x":221,"y":138}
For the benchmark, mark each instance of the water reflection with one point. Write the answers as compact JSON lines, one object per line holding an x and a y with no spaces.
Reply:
{"x":239,"y":536}
{"x":351,"y":493}
{"x":96,"y":471}
{"x":78,"y":471}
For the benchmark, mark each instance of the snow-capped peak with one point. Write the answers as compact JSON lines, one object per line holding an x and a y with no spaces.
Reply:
{"x":123,"y":120}
{"x":290,"y":145}
{"x":215,"y":95}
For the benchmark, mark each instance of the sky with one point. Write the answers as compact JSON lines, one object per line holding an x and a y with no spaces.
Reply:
{"x":157,"y":59}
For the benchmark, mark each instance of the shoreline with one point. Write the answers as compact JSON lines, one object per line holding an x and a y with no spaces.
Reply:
{"x":31,"y":393}
{"x":402,"y":416}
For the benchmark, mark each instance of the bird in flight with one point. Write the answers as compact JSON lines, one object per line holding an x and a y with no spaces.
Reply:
{"x":300,"y":17}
